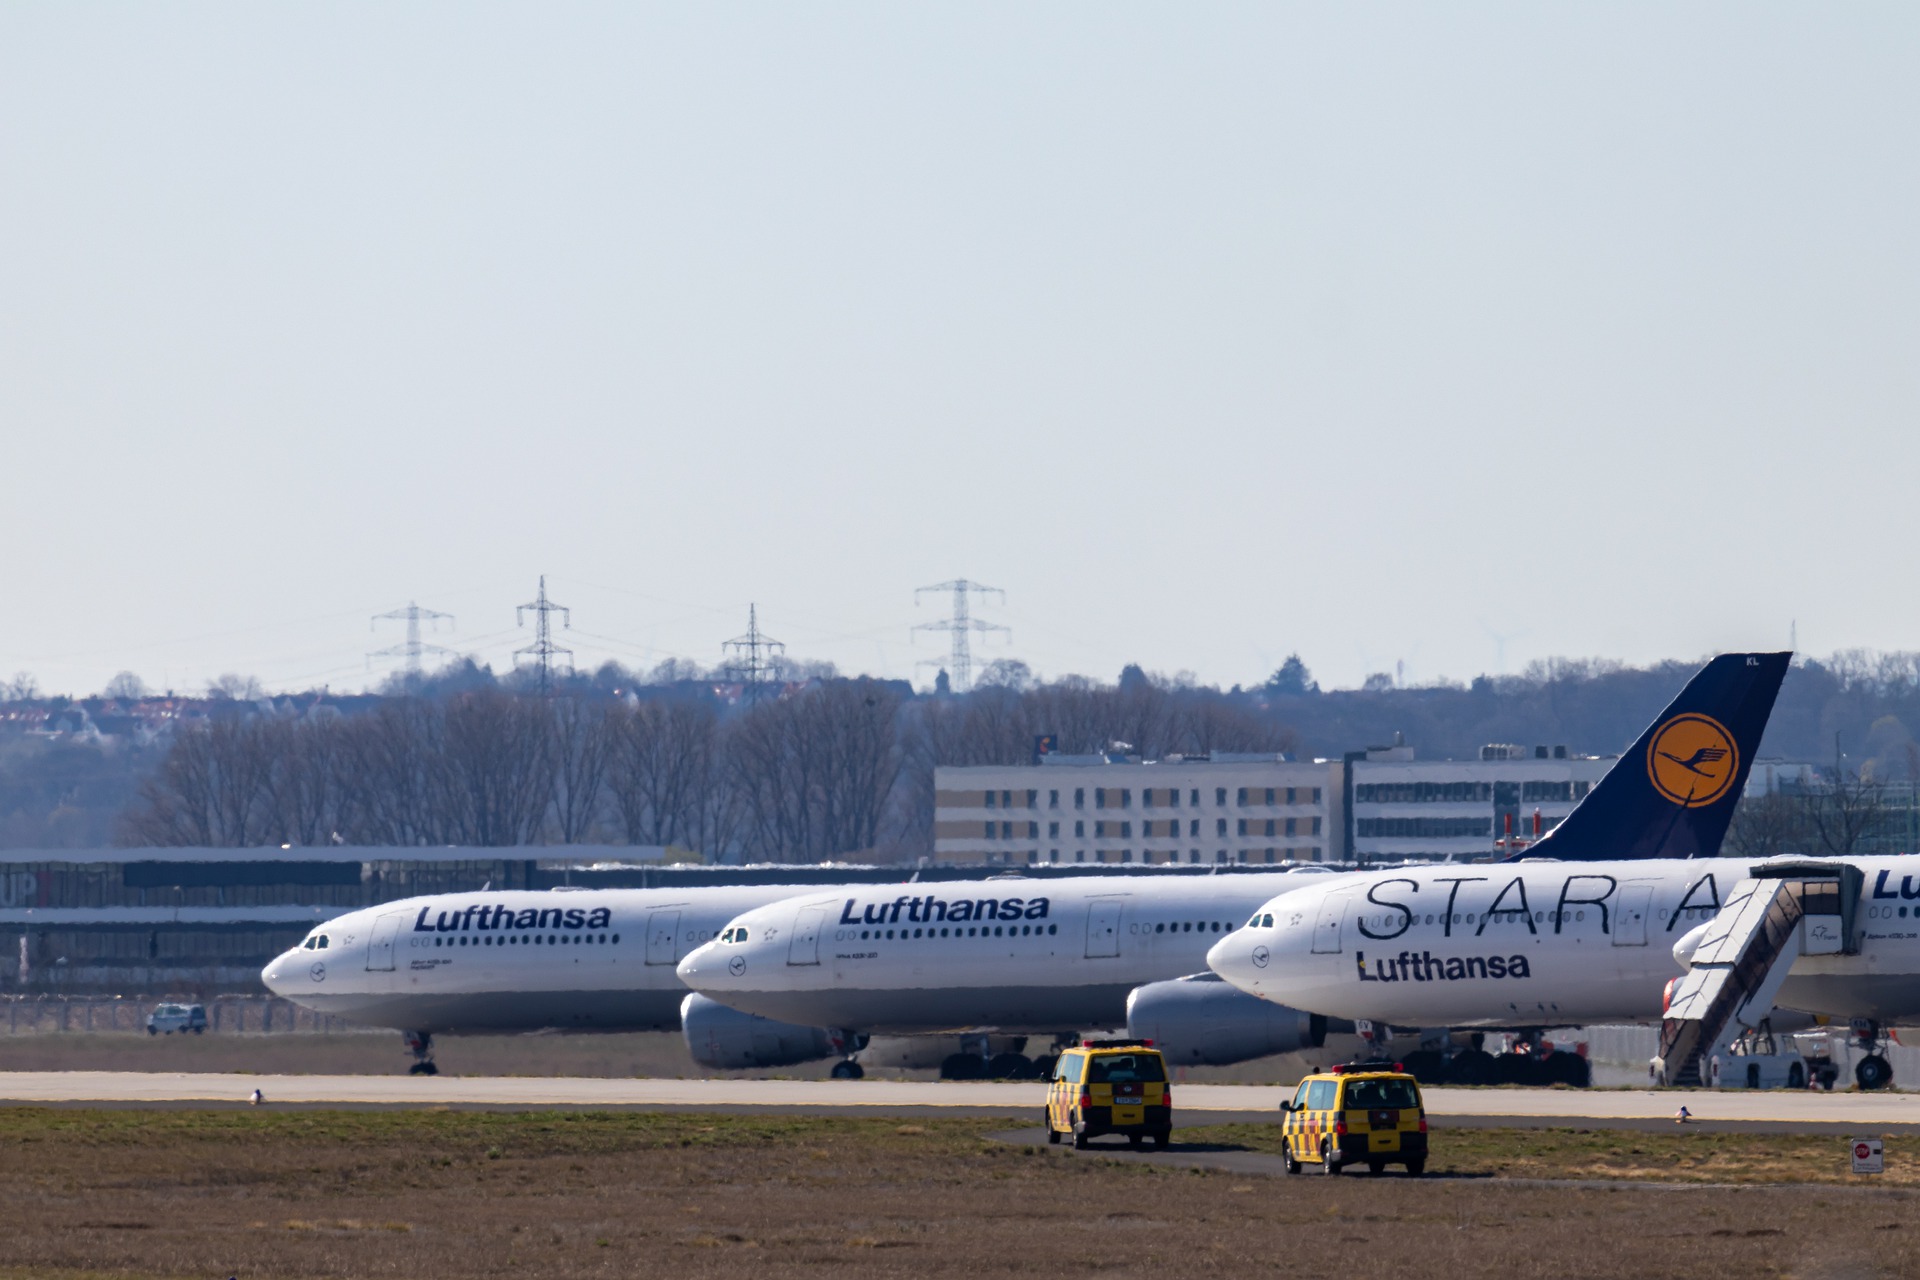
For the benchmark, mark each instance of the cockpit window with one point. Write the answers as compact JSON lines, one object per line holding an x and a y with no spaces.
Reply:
{"x":736,"y":934}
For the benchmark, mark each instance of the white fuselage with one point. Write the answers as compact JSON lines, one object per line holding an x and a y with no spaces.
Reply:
{"x":1547,"y":944}
{"x":1010,"y":955}
{"x":582,"y":959}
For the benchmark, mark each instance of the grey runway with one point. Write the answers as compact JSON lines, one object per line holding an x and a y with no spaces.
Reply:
{"x":1196,"y":1103}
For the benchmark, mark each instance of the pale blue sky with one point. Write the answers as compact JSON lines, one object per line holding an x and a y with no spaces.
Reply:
{"x":1208,"y":332}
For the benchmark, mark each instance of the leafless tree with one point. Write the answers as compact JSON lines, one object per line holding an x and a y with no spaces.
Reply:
{"x":581,"y":740}
{"x":663,"y":773}
{"x":815,"y":772}
{"x":127,"y":687}
{"x":213,"y":789}
{"x":492,"y":779}
{"x":304,"y":776}
{"x":1767,"y":825}
{"x":1847,"y":811}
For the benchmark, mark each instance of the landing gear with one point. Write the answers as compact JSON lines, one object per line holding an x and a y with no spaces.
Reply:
{"x":1009,"y":1066}
{"x":420,"y":1044}
{"x":1001,"y":1066}
{"x":848,"y":1069}
{"x":1872,"y":1071}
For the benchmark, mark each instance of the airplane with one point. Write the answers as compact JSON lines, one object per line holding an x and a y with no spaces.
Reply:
{"x":558,"y":959}
{"x":843,"y":960}
{"x":1586,"y":928}
{"x":1006,"y":955}
{"x":585,"y":960}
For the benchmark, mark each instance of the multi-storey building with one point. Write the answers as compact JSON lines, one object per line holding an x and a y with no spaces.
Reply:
{"x":1400,"y":809}
{"x":1102,"y":809}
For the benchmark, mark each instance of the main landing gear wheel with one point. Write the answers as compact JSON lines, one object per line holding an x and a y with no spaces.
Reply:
{"x":420,"y":1044}
{"x":848,"y":1070}
{"x":963,"y":1066}
{"x":1873,"y":1072}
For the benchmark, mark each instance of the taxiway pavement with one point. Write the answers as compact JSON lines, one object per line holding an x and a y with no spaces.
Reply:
{"x":1197,"y":1102}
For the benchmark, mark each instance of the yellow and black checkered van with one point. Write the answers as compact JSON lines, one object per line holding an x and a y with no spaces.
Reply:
{"x":1110,"y":1086}
{"x":1356,"y":1115}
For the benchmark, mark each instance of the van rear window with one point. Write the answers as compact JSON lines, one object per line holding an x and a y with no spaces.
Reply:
{"x":1368,"y":1095}
{"x":1125,"y":1068}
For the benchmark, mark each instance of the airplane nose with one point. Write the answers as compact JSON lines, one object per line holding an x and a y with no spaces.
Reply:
{"x":710,"y":967}
{"x":1228,"y":958}
{"x":270,"y":976}
{"x":689,"y":968}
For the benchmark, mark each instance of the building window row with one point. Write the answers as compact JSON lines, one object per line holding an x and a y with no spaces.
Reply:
{"x":1150,"y":797}
{"x":1423,"y":793}
{"x":1273,"y":826}
{"x":1433,"y":828}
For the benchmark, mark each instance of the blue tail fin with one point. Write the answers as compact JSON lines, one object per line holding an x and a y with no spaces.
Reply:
{"x":1673,"y":793}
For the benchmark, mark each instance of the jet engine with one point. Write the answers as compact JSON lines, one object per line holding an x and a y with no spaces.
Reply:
{"x":1203,"y":1020}
{"x":718,"y":1036}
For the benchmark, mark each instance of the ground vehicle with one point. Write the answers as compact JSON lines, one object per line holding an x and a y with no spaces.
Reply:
{"x":169,"y":1017}
{"x":1110,"y":1086}
{"x":1367,"y":1114}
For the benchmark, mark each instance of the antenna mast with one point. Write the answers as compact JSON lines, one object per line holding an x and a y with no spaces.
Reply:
{"x":543,"y":649}
{"x":412,"y":648}
{"x":753,"y":654}
{"x":961,"y":625}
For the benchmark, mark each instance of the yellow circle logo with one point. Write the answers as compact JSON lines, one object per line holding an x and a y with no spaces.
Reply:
{"x":1692,"y":760}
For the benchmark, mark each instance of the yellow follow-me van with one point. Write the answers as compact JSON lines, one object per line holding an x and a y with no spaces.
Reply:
{"x":1110,"y":1086}
{"x":1364,"y":1114}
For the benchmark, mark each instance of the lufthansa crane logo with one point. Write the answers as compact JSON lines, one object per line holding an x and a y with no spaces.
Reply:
{"x":1692,"y":760}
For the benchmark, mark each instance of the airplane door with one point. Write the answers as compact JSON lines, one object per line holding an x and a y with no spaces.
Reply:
{"x":663,"y":937}
{"x":1630,"y":915}
{"x":1103,"y":927}
{"x":380,"y":946}
{"x":1328,"y":925}
{"x":805,"y":947}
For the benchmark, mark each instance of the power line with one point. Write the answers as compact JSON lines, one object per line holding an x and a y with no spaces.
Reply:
{"x":543,"y":649}
{"x":412,"y":647}
{"x":753,"y":654}
{"x":962,"y":625}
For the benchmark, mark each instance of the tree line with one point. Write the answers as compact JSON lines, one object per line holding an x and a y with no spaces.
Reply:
{"x":839,"y":768}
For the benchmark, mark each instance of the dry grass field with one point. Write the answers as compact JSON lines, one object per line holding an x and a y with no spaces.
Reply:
{"x":456,"y":1194}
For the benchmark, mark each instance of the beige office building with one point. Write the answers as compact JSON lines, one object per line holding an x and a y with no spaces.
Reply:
{"x":1238,"y":808}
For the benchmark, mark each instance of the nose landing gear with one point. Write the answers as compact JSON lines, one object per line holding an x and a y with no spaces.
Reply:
{"x":420,"y":1044}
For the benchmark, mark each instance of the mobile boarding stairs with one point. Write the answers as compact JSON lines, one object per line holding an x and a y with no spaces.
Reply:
{"x":1780,"y":912}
